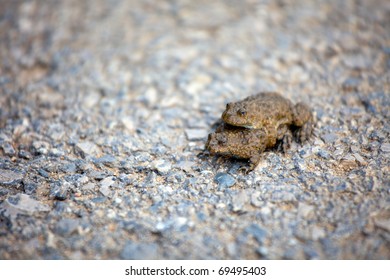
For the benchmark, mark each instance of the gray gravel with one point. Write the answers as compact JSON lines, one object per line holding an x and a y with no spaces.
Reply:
{"x":105,"y":107}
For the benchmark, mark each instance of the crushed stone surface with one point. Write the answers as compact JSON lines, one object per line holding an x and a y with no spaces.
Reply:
{"x":105,"y":107}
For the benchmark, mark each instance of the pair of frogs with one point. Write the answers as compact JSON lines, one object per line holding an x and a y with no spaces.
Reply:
{"x":258,"y":122}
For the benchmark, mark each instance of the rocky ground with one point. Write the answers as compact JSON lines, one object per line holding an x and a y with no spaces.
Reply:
{"x":105,"y":107}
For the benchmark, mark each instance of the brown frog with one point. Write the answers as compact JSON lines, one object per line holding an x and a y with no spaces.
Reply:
{"x":272,"y":112}
{"x":238,"y":142}
{"x":257,"y":123}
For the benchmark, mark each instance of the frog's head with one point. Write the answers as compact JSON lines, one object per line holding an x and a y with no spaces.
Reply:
{"x":238,"y":115}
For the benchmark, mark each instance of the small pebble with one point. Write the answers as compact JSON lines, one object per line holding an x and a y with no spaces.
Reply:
{"x":385,"y":147}
{"x":87,"y":149}
{"x":194,"y":134}
{"x":224,"y":180}
{"x":10,"y":177}
{"x":60,"y":190}
{"x":8,"y":149}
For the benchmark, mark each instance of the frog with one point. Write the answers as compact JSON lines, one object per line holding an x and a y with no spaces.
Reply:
{"x":274,"y":113}
{"x":238,"y":142}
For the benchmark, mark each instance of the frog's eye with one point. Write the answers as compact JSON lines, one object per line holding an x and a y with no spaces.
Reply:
{"x":241,"y":112}
{"x":228,"y":106}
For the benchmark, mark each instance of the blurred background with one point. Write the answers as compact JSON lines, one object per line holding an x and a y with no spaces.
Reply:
{"x":105,"y":105}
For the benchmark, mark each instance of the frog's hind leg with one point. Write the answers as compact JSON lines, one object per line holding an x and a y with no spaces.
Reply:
{"x":284,"y":135}
{"x":303,"y":120}
{"x":303,"y":133}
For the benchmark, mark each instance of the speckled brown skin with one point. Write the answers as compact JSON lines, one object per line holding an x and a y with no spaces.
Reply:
{"x":273,"y":113}
{"x":238,"y":142}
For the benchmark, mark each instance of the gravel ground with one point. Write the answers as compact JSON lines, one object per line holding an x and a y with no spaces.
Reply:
{"x":106,"y":107}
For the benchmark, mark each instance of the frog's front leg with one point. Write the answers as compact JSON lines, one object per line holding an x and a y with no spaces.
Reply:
{"x":254,"y":160}
{"x":303,"y":119}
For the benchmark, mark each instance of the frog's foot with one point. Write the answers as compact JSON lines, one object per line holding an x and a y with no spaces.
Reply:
{"x":245,"y":169}
{"x":302,"y":114}
{"x":285,"y":144}
{"x":254,"y":161}
{"x":303,"y":133}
